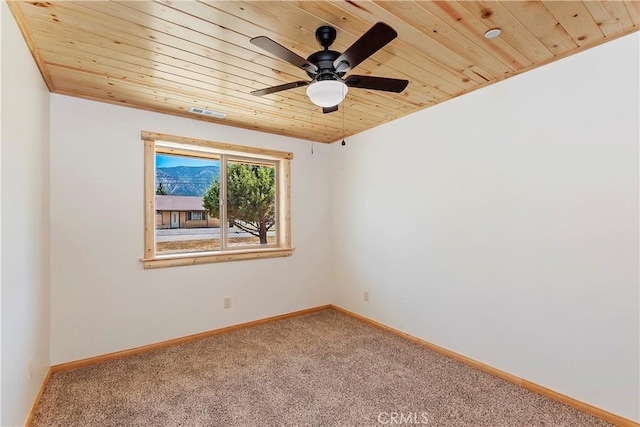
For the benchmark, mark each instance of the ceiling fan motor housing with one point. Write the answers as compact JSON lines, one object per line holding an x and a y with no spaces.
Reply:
{"x":324,"y":61}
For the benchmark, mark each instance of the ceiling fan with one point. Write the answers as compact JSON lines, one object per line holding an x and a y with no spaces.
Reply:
{"x":327,"y":68}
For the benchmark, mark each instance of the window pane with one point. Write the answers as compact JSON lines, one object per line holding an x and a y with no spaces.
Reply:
{"x":251,"y":203}
{"x":183,"y":223}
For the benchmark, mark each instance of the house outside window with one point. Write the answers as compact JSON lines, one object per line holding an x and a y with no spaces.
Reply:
{"x":208,"y":202}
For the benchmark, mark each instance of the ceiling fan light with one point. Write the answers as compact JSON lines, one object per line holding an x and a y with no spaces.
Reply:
{"x":327,"y":93}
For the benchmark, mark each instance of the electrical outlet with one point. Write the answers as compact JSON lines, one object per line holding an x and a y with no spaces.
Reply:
{"x":30,"y":366}
{"x":366,"y":295}
{"x":227,"y":303}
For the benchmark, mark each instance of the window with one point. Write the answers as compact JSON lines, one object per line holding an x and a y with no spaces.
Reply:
{"x":211,"y":202}
{"x":195,"y":215}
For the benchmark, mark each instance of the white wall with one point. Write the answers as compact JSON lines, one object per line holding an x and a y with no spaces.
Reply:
{"x":102,"y":299}
{"x":503,"y":225}
{"x":24,"y":225}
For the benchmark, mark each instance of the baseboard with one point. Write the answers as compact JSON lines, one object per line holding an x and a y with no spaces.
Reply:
{"x":143,"y":349}
{"x":544,"y":391}
{"x":36,"y":401}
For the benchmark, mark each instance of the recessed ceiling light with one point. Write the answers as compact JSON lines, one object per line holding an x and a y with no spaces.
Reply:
{"x":492,"y":33}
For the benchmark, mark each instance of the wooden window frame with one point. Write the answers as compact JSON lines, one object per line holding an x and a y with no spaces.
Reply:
{"x":171,"y":144}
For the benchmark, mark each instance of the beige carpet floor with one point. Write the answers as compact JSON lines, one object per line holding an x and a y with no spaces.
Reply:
{"x":321,"y":369}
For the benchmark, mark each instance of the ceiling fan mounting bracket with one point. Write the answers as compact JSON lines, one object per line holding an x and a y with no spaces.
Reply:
{"x":326,"y":35}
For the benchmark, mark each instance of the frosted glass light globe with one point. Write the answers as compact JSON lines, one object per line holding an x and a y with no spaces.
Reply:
{"x":327,"y":93}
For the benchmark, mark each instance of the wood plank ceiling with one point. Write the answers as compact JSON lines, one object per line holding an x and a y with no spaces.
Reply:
{"x":169,"y":56}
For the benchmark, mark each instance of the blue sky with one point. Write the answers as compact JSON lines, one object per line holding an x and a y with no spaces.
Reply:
{"x":164,"y":161}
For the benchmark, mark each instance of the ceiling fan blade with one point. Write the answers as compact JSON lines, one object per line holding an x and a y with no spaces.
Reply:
{"x":377,"y":83}
{"x":273,"y":89}
{"x":369,"y":43}
{"x":283,"y":53}
{"x":326,"y":110}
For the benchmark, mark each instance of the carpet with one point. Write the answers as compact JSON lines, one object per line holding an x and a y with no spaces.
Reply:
{"x":320,"y":369}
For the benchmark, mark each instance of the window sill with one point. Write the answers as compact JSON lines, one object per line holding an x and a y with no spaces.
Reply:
{"x":163,"y":261}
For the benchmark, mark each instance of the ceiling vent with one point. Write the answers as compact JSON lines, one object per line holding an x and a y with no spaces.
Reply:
{"x":207,"y":113}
